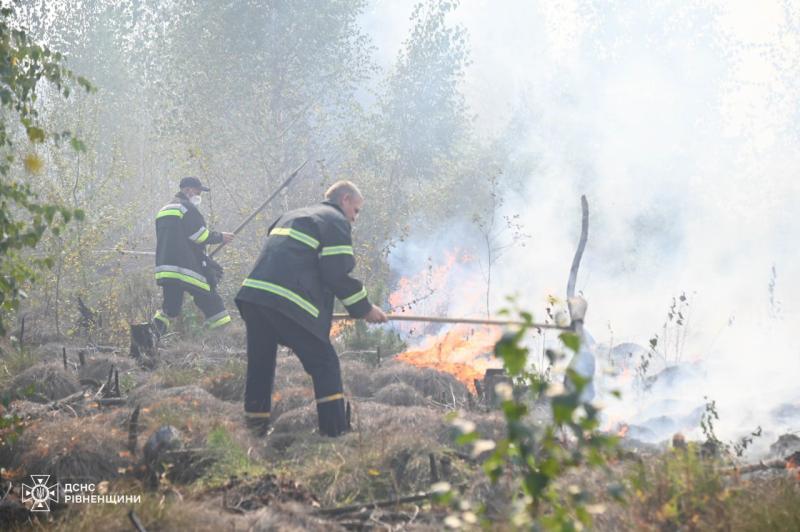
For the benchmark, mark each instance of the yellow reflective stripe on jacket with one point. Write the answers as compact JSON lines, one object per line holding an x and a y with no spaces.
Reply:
{"x":283,"y":292}
{"x":336,"y":250}
{"x":169,"y":212}
{"x":297,"y":235}
{"x":330,"y":398}
{"x":355,"y":298}
{"x":200,"y":235}
{"x":183,"y":277}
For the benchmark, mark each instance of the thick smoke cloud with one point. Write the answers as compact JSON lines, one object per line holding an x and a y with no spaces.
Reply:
{"x":679,"y":122}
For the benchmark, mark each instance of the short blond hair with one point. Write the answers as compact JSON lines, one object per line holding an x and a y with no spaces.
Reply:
{"x":340,"y":189}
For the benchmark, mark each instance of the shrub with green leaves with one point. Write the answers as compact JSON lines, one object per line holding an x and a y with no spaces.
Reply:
{"x":23,"y":217}
{"x":534,"y":457}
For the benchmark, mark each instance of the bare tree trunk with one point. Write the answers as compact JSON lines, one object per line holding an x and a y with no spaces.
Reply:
{"x":58,"y":291}
{"x":489,"y":261}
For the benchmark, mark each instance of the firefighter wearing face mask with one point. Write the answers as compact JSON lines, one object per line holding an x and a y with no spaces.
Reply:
{"x":181,"y":261}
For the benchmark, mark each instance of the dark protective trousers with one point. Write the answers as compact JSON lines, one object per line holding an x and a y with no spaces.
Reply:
{"x":266,"y":328}
{"x":209,"y":303}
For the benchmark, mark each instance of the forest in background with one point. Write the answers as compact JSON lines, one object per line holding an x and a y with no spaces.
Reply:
{"x":240,"y":94}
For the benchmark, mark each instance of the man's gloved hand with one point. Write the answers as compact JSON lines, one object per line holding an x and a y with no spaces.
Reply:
{"x":375,"y":315}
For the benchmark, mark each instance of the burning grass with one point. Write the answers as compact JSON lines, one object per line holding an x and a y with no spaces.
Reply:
{"x":463,"y":351}
{"x":399,"y":422}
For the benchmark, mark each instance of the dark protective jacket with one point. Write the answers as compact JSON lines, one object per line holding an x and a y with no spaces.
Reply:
{"x":181,"y":239}
{"x":306,"y":261}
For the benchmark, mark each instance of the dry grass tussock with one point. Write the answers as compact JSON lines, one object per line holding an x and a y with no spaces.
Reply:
{"x":82,"y":449}
{"x":386,"y":454}
{"x":399,"y":394}
{"x":441,"y":387}
{"x":190,"y":409}
{"x":98,"y":368}
{"x":42,"y":383}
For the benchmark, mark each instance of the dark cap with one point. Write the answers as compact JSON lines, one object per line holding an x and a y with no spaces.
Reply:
{"x":193,"y":182}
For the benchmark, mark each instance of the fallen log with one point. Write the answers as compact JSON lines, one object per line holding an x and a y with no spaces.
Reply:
{"x":111,"y":401}
{"x":55,"y":405}
{"x":752,"y":468}
{"x":341,"y":510}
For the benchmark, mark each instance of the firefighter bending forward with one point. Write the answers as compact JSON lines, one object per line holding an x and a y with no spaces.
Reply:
{"x":181,"y":262}
{"x":288,"y":299}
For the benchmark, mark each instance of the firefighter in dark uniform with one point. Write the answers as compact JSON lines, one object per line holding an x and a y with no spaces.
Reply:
{"x":181,"y":261}
{"x":288,"y":299}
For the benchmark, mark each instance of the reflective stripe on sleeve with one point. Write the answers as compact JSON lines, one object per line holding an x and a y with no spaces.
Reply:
{"x":200,"y":236}
{"x":336,"y":250}
{"x":355,"y":298}
{"x":172,"y":209}
{"x":169,"y":212}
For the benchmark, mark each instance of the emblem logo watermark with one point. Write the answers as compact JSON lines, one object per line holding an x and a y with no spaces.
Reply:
{"x":41,"y":493}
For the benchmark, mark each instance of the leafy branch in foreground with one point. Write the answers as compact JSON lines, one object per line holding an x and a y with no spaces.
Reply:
{"x":535,"y":457}
{"x":23,"y":218}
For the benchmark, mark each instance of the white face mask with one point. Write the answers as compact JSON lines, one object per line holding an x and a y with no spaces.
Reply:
{"x":196,"y":200}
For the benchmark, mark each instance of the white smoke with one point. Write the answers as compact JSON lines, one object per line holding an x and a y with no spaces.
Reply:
{"x":679,"y":122}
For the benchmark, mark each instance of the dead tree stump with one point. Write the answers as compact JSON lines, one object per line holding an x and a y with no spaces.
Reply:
{"x":143,"y":345}
{"x":492,"y":378}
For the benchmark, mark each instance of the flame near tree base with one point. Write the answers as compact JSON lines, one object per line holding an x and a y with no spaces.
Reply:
{"x":463,"y":351}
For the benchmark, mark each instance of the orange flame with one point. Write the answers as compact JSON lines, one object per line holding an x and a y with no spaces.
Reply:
{"x":462,"y":351}
{"x":793,"y":464}
{"x":338,"y":327}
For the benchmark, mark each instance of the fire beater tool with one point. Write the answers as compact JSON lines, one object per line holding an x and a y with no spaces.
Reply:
{"x":235,"y":231}
{"x":474,"y":321}
{"x":262,"y":206}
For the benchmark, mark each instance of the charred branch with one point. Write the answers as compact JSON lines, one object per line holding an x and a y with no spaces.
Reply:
{"x":133,"y":430}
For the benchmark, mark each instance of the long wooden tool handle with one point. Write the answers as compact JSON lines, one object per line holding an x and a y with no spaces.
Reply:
{"x":475,"y":321}
{"x":262,"y":206}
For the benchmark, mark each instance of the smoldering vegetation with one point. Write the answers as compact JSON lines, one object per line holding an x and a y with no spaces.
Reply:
{"x":472,"y":131}
{"x":191,"y":437}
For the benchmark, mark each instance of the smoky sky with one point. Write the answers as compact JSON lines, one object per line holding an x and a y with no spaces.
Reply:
{"x":679,"y":121}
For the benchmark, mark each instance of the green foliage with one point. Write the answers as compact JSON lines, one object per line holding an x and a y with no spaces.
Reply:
{"x":23,"y":218}
{"x":230,"y":459}
{"x":536,"y":457}
{"x":680,"y":489}
{"x":713,"y":445}
{"x":11,"y":425}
